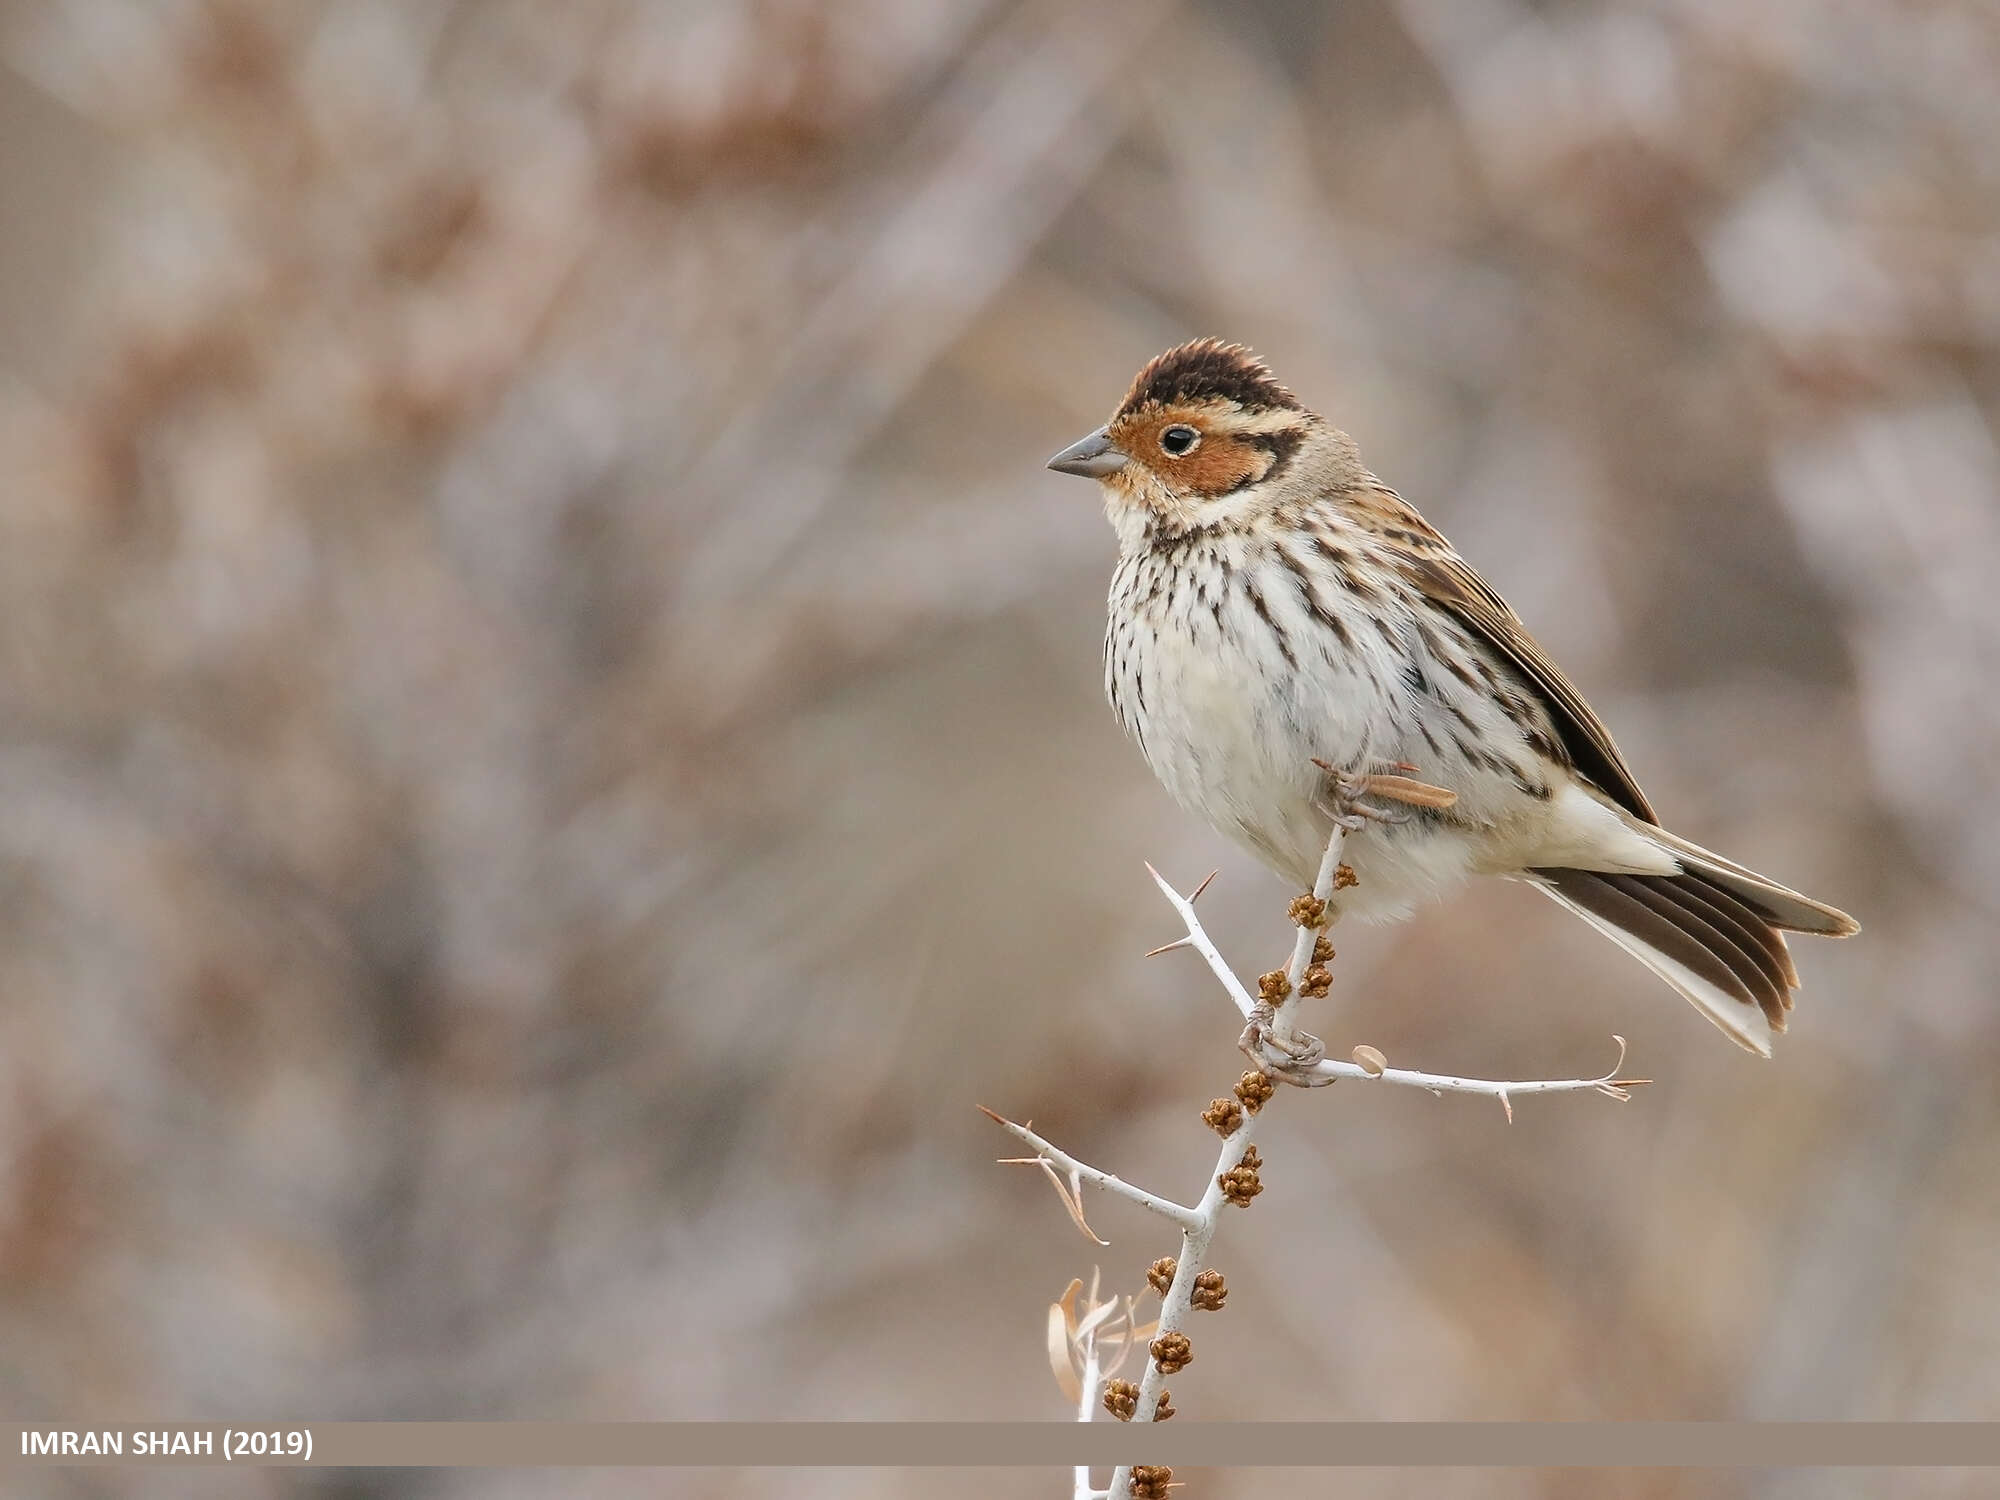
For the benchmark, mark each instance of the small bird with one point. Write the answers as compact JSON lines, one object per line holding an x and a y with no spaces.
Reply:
{"x":1285,"y":630}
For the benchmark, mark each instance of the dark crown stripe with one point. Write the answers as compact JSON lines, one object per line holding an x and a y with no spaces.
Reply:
{"x":1209,"y":370}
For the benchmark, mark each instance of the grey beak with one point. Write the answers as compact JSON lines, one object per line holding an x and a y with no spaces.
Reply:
{"x":1092,"y":458}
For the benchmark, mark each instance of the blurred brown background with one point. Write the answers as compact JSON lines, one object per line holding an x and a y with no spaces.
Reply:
{"x":551,"y":745}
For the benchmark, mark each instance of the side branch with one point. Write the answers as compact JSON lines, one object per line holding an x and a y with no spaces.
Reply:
{"x":1609,"y":1084}
{"x":1183,"y":1217}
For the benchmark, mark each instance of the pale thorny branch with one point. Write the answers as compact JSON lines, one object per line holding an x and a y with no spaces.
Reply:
{"x":1198,"y":1224}
{"x":1281,"y":1028}
{"x":1609,"y":1083}
{"x":1062,"y":1162}
{"x":1195,"y":1241}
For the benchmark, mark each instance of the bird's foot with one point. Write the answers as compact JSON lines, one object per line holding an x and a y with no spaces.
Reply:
{"x":1343,"y":794}
{"x":1289,"y":1056}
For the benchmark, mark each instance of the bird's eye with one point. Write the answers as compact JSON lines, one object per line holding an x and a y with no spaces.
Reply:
{"x":1179,"y":439}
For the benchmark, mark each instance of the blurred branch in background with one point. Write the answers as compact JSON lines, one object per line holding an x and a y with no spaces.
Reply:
{"x":542,"y":680}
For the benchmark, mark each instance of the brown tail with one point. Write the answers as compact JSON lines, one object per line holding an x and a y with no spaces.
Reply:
{"x":1715,"y":945}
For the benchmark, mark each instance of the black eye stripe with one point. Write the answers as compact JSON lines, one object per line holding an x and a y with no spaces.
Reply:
{"x":1281,"y":445}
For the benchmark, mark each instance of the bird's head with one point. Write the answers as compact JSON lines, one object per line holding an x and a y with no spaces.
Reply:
{"x":1204,"y":431}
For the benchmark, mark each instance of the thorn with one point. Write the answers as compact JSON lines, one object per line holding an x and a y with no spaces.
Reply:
{"x":1173,"y":896}
{"x":1169,"y":947}
{"x":1196,"y":895}
{"x":1508,"y":1105}
{"x":996,"y":1119}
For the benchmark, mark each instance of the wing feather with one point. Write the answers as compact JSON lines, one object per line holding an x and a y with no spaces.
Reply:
{"x":1444,"y":578}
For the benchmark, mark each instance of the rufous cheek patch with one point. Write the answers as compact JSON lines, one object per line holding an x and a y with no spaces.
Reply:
{"x":1219,"y":464}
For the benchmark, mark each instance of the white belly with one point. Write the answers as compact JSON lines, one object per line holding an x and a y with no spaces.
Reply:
{"x":1231,"y":721}
{"x":1244,"y":760}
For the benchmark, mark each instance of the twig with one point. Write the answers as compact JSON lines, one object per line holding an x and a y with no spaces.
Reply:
{"x":1044,"y":1151}
{"x":1086,"y":1410}
{"x":1610,"y":1084}
{"x":1198,"y":940}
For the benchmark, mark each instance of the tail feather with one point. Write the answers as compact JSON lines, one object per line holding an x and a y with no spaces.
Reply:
{"x":1711,"y":948}
{"x":1684,"y":950}
{"x":1745,"y":925}
{"x":1748,"y":969}
{"x":1714,"y":931}
{"x":1777,"y":905}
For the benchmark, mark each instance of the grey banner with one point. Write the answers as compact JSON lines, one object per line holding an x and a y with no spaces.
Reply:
{"x":1013,"y":1444}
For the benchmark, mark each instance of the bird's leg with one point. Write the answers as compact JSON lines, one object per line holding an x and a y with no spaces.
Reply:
{"x":1341,"y":792}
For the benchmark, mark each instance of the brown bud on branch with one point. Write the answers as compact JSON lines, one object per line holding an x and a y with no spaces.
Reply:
{"x":1223,"y":1116}
{"x":1172,"y":1352}
{"x":1240,"y":1183}
{"x":1255,"y":1090}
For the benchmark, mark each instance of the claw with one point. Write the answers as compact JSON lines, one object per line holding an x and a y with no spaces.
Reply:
{"x":1290,"y":1060}
{"x":1256,"y":1027}
{"x":1342,"y":797}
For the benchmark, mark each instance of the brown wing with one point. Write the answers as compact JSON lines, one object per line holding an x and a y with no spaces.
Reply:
{"x":1448,"y":581}
{"x":1430,"y":563}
